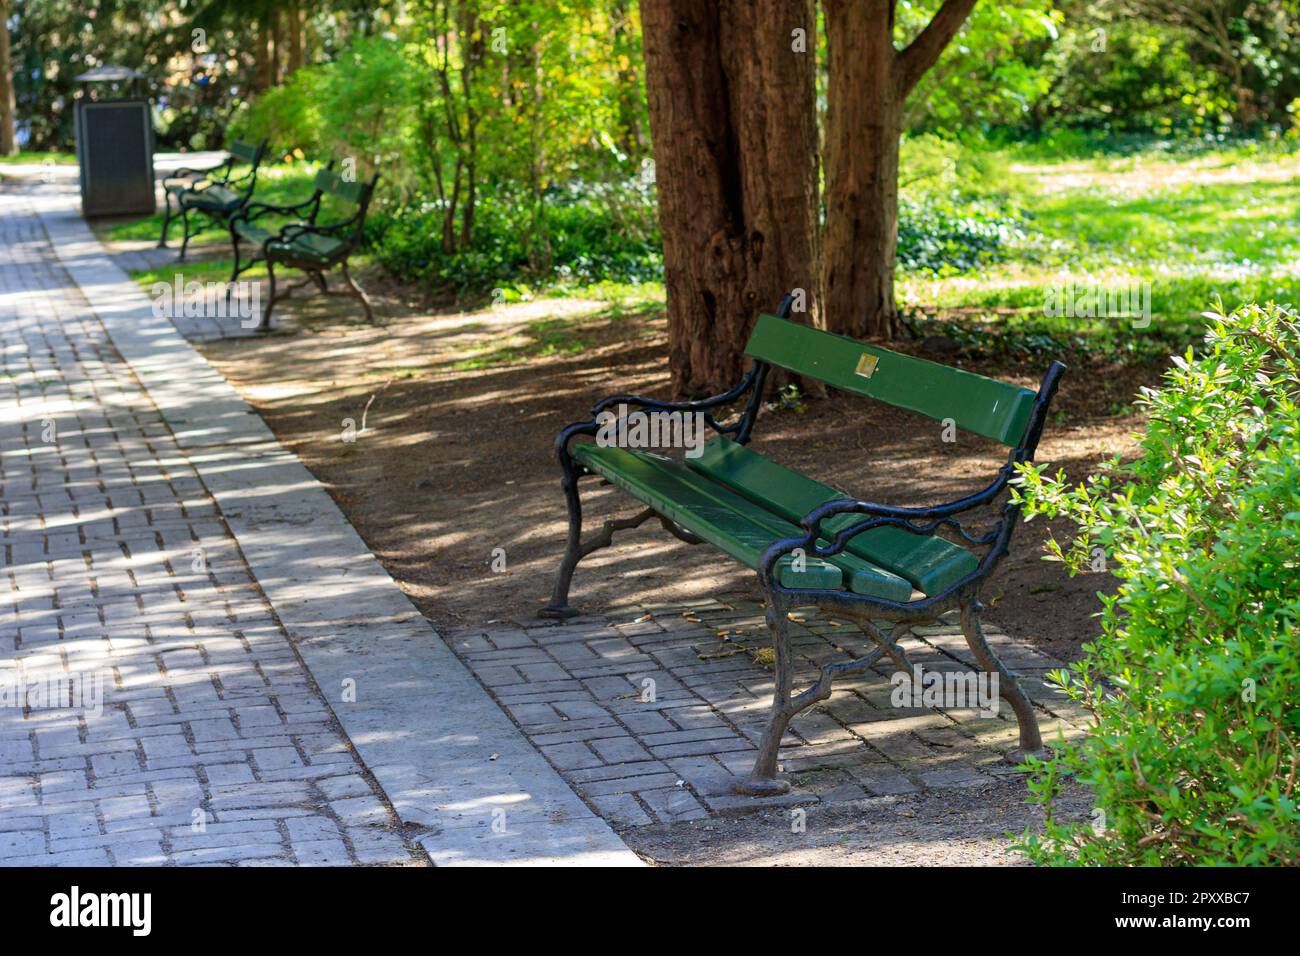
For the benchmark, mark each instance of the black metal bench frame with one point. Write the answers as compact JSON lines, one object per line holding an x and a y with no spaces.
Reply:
{"x":351,"y":227}
{"x":220,"y":175}
{"x":862,"y":609}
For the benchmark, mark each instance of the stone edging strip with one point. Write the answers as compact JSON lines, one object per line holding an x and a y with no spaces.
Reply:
{"x":442,"y":750}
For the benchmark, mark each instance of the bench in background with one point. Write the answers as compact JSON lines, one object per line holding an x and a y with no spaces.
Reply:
{"x":218,"y":194}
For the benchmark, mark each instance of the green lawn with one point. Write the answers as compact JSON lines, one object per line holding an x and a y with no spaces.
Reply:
{"x":37,"y":158}
{"x":1195,"y":228}
{"x":1187,"y":229}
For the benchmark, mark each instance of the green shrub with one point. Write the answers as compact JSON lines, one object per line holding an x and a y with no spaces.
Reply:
{"x":590,"y":238}
{"x":955,"y":211}
{"x":1194,"y":682}
{"x":943,"y":235}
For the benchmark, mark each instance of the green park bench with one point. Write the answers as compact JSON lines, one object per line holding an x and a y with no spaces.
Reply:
{"x":216,"y":193}
{"x":812,"y":545}
{"x":305,"y":243}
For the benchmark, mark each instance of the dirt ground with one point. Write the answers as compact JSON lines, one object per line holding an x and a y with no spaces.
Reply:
{"x":456,"y":414}
{"x":971,"y":826}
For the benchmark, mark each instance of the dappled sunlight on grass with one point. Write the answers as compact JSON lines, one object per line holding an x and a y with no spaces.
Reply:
{"x":1194,"y":228}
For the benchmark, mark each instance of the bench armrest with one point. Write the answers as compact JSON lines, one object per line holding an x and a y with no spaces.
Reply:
{"x":195,"y":183}
{"x":255,"y":209}
{"x":659,"y":405}
{"x":752,"y":380}
{"x":919,"y":521}
{"x":829,"y":509}
{"x":211,"y":175}
{"x":291,"y":231}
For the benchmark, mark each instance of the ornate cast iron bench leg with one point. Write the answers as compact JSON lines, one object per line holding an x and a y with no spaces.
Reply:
{"x":762,"y":779}
{"x":1031,"y":741}
{"x":575,"y":551}
{"x":167,"y":216}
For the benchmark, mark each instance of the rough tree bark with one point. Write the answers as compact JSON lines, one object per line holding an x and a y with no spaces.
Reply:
{"x":8,"y":135}
{"x":733,"y":124}
{"x":293,"y":13}
{"x":262,"y":56}
{"x":868,"y":82}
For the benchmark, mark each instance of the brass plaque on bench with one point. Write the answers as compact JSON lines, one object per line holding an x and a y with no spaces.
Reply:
{"x":866,"y":365}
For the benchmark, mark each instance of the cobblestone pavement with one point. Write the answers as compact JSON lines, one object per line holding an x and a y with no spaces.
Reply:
{"x":196,"y":325}
{"x":209,"y":741}
{"x":665,"y":751}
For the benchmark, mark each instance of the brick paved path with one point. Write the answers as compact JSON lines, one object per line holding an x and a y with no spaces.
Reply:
{"x":213,"y":744}
{"x":579,"y":691}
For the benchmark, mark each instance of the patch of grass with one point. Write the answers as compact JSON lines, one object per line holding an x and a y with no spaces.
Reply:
{"x":62,"y":159}
{"x":634,"y":295}
{"x":540,"y":339}
{"x":1192,"y":227}
{"x":210,"y":270}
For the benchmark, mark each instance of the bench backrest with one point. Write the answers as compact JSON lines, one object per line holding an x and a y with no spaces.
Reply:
{"x":251,"y":153}
{"x":977,"y":404}
{"x":352,"y":191}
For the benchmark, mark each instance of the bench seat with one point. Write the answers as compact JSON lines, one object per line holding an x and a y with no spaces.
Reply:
{"x":311,"y":248}
{"x":731,"y":522}
{"x":931,"y":564}
{"x":213,"y":198}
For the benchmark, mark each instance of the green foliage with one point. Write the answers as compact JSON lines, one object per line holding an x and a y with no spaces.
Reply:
{"x":511,"y":143}
{"x":1194,"y":682}
{"x":587,"y":240}
{"x":944,"y":235}
{"x":1192,"y":223}
{"x":1122,"y":75}
{"x":954,"y":211}
{"x":991,"y":74}
{"x":1190,"y":67}
{"x":316,"y":110}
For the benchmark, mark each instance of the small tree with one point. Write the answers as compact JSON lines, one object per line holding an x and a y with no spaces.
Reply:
{"x":8,"y":140}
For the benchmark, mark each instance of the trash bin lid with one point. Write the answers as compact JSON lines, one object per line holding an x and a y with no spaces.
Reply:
{"x":109,"y":73}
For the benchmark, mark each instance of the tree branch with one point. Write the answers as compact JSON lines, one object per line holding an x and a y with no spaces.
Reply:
{"x":924,"y":50}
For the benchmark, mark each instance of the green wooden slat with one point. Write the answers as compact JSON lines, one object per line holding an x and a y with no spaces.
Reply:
{"x":244,"y":152}
{"x":930,"y":563}
{"x":330,"y":182}
{"x":728,"y":521}
{"x":977,"y":404}
{"x":214,"y":197}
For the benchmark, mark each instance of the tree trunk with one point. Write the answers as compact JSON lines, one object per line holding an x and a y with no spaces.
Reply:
{"x":8,"y":136}
{"x":262,"y":55}
{"x":868,"y":83}
{"x":277,"y":48}
{"x":472,"y":55}
{"x":863,"y":125}
{"x":293,"y":10}
{"x":733,"y":122}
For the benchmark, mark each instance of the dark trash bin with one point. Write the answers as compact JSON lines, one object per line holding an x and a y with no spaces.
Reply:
{"x":115,"y":144}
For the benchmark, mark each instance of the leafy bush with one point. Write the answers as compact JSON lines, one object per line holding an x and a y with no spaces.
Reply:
{"x":590,"y":239}
{"x":316,"y":110}
{"x":944,"y":235}
{"x":954,"y":210}
{"x":1194,"y":683}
